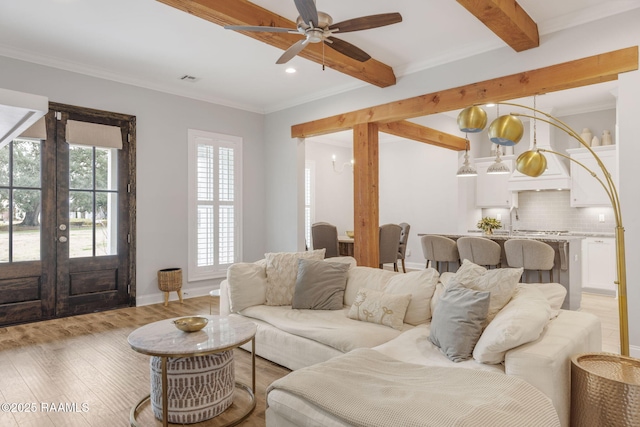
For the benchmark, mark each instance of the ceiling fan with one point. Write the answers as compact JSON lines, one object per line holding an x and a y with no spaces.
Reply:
{"x":318,"y":27}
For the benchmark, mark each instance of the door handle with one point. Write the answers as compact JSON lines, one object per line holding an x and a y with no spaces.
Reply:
{"x":62,"y":239}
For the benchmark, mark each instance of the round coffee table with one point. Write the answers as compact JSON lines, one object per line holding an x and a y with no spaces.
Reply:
{"x":164,"y":340}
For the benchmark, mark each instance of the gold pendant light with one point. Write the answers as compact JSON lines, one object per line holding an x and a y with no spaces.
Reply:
{"x":533,"y":162}
{"x":472,"y":119}
{"x":506,"y":130}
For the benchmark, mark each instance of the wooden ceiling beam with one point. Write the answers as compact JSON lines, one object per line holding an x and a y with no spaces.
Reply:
{"x":507,"y":20}
{"x":580,"y":72}
{"x":416,"y":132}
{"x":243,"y":12}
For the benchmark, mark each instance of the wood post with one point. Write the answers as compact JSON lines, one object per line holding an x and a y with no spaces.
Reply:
{"x":366,"y":194}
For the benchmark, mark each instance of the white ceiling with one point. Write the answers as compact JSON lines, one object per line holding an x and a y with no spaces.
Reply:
{"x":149,"y":44}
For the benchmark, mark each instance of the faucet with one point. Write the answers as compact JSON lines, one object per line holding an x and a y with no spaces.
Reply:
{"x":513,"y":208}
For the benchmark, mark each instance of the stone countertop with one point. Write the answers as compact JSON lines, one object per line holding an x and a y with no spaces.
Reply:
{"x":499,"y":235}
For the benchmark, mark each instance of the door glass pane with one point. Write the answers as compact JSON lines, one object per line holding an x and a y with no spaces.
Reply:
{"x":106,"y":168}
{"x":80,"y":224}
{"x":26,"y":225}
{"x":80,"y":167}
{"x":106,"y":223}
{"x":4,"y":165}
{"x":4,"y":225}
{"x":26,"y":164}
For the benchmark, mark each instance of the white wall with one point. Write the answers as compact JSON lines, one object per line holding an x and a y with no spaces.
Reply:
{"x":162,"y":123}
{"x":577,"y":42}
{"x":333,"y":191}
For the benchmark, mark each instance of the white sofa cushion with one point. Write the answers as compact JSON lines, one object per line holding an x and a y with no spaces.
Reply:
{"x":282,"y":271}
{"x":421,"y":285}
{"x":330,"y":327}
{"x":247,"y":285}
{"x":521,"y":321}
{"x":379,"y":307}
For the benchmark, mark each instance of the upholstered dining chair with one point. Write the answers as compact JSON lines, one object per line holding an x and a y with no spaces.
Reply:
{"x":402,"y":247}
{"x":480,"y":250}
{"x":531,"y":255}
{"x":440,"y":250}
{"x":325,"y":235}
{"x":389,"y":243}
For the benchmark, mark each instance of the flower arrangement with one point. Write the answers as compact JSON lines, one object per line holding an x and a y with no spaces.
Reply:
{"x":487,"y":224}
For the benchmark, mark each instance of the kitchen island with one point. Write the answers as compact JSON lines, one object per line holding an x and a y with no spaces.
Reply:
{"x":567,"y":269}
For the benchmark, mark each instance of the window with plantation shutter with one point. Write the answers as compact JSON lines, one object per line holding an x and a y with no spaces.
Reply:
{"x":214,"y":203}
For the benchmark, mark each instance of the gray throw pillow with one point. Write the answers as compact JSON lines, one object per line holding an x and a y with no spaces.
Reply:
{"x":320,"y":285}
{"x":457,"y":322}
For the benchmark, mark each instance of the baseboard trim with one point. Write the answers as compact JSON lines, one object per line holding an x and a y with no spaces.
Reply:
{"x":634,"y":351}
{"x":187,"y":292}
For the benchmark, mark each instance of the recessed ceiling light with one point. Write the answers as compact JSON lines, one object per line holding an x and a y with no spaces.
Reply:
{"x":290,"y":70}
{"x":491,"y":105}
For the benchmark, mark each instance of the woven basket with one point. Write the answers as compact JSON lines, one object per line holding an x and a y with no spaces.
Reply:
{"x":605,"y":390}
{"x":170,"y":279}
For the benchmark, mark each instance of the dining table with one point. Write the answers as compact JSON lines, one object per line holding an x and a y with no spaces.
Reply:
{"x":345,"y":245}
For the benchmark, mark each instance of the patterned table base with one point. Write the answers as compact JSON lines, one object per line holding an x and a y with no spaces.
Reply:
{"x":199,"y":388}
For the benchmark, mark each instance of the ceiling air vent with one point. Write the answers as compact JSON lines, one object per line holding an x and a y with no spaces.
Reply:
{"x":188,"y":78}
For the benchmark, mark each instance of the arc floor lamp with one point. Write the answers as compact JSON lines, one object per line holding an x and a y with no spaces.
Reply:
{"x":508,"y":130}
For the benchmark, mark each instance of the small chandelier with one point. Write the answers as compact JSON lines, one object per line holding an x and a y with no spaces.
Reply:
{"x":498,"y":168}
{"x":467,"y":169}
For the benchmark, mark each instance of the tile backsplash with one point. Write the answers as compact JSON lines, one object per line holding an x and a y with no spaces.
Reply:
{"x":551,"y":210}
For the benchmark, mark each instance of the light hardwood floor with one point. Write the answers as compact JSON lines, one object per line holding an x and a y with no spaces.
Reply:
{"x":86,"y":359}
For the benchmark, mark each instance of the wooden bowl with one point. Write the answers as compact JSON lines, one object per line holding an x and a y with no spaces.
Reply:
{"x":191,"y":324}
{"x":350,"y":234}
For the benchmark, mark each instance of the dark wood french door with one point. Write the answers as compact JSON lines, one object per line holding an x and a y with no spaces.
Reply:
{"x":67,"y":218}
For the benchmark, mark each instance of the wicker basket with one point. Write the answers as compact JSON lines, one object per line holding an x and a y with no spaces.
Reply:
{"x":170,"y":279}
{"x":605,"y":390}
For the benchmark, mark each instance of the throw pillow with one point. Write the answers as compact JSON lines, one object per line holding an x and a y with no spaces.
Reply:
{"x":500,"y":282}
{"x":282,"y":271}
{"x":320,"y":285}
{"x":377,"y":307}
{"x":421,"y":285}
{"x":521,"y":321}
{"x":458,"y":320}
{"x":467,"y":273}
{"x":247,"y":285}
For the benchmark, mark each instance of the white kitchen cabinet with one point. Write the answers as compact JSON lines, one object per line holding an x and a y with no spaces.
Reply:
{"x":585,"y":189}
{"x":492,"y":190}
{"x":599,"y":265}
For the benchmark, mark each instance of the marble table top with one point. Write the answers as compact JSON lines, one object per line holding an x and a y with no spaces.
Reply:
{"x":163,"y":338}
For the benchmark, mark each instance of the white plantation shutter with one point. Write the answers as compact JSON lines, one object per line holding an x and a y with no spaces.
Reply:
{"x":214,"y":203}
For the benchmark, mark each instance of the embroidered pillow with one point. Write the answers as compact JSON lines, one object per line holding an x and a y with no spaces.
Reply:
{"x":377,"y":307}
{"x":282,"y":271}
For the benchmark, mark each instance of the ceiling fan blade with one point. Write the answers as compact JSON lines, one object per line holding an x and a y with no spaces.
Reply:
{"x":367,"y":22}
{"x":348,"y":49}
{"x":261,"y":28}
{"x":308,"y":12}
{"x":293,"y":50}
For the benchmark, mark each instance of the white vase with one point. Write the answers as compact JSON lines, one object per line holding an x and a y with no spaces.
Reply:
{"x":606,"y":138}
{"x":595,"y":142}
{"x":586,"y":136}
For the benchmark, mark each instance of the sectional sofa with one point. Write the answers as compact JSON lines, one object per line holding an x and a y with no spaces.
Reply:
{"x":523,"y":332}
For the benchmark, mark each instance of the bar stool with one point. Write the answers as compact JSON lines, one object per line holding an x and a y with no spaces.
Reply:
{"x":480,"y":250}
{"x":439,"y":249}
{"x":530,"y":255}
